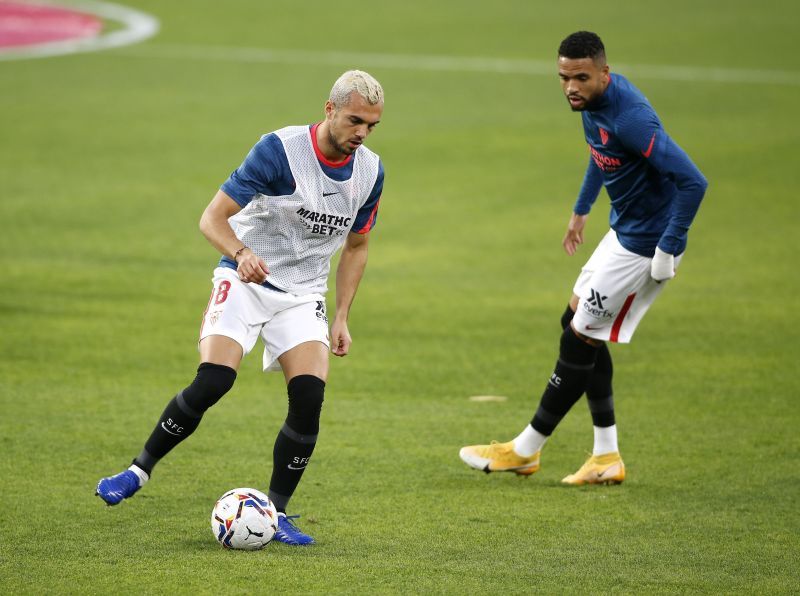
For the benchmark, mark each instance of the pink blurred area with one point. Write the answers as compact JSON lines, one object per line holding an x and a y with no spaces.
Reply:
{"x":23,"y":24}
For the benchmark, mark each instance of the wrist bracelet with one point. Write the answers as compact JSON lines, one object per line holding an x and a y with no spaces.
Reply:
{"x":238,"y":252}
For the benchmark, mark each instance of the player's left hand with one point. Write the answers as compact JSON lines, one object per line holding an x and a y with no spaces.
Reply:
{"x":340,"y":338}
{"x":662,"y":267}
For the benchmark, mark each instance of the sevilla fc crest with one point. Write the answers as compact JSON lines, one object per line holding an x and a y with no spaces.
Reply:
{"x":603,"y":135}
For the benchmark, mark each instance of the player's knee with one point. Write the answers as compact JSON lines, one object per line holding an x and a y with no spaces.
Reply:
{"x":566,"y":318}
{"x":306,"y":394}
{"x":211,"y":383}
{"x":575,"y":349}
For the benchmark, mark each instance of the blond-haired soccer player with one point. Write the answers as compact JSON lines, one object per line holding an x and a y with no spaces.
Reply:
{"x":301,"y":193}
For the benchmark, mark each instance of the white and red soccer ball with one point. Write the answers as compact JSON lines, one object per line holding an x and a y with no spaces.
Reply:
{"x":244,"y":519}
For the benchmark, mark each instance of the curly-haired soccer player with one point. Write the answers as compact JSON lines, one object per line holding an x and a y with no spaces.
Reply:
{"x":655,"y":192}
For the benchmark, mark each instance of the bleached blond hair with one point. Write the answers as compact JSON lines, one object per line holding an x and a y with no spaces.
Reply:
{"x":359,"y":81}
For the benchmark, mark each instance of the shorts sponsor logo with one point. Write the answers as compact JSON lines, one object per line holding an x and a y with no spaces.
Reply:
{"x":324,"y":224}
{"x":596,"y":299}
{"x":594,"y":306}
{"x":320,"y":312}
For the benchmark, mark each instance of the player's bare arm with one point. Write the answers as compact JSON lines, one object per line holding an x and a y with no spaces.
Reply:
{"x":215,"y":227}
{"x":348,"y":275}
{"x":574,"y":236}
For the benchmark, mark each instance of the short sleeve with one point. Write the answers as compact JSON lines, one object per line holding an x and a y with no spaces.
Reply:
{"x":264,"y":167}
{"x":368,"y":213}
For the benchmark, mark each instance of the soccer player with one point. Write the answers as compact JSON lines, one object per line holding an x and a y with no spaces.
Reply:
{"x":655,"y":192}
{"x":301,"y":193}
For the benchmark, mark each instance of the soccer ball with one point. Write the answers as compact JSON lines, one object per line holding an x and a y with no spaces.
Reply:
{"x":245,"y":519}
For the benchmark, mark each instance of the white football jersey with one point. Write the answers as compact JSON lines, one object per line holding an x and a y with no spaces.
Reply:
{"x":297,"y":234}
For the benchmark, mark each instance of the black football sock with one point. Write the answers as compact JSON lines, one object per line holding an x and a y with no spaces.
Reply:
{"x":297,"y":438}
{"x":184,"y":411}
{"x":575,"y":364}
{"x":599,"y":393}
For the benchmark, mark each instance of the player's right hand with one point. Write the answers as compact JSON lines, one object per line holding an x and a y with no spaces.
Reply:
{"x":251,"y":267}
{"x":574,"y":236}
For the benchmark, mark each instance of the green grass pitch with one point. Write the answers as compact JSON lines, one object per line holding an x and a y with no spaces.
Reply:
{"x":107,"y":160}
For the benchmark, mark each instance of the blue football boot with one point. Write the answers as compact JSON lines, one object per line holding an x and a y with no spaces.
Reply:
{"x":288,"y":533}
{"x":116,"y":488}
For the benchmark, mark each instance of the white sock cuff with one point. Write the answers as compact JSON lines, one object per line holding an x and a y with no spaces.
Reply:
{"x":529,"y":442}
{"x":605,"y":440}
{"x":141,"y":474}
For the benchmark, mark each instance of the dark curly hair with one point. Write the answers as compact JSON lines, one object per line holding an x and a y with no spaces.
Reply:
{"x":582,"y":44}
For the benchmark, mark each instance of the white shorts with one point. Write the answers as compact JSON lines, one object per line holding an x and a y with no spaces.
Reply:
{"x":245,"y":311}
{"x":615,"y":290}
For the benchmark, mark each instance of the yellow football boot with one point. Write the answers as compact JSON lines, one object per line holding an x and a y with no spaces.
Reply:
{"x":599,"y":469}
{"x":499,"y":457}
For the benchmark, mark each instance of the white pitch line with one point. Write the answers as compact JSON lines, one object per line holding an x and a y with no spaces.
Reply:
{"x":136,"y":27}
{"x":421,"y":62}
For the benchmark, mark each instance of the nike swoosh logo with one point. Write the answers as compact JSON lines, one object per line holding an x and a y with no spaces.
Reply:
{"x":650,"y":146}
{"x":327,"y":194}
{"x":169,"y":431}
{"x":590,"y":328}
{"x":614,"y":468}
{"x":291,"y":467}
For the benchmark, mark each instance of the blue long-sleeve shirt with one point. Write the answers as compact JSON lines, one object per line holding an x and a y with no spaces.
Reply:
{"x":654,"y":187}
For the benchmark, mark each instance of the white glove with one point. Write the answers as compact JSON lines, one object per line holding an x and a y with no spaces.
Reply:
{"x":662,"y":266}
